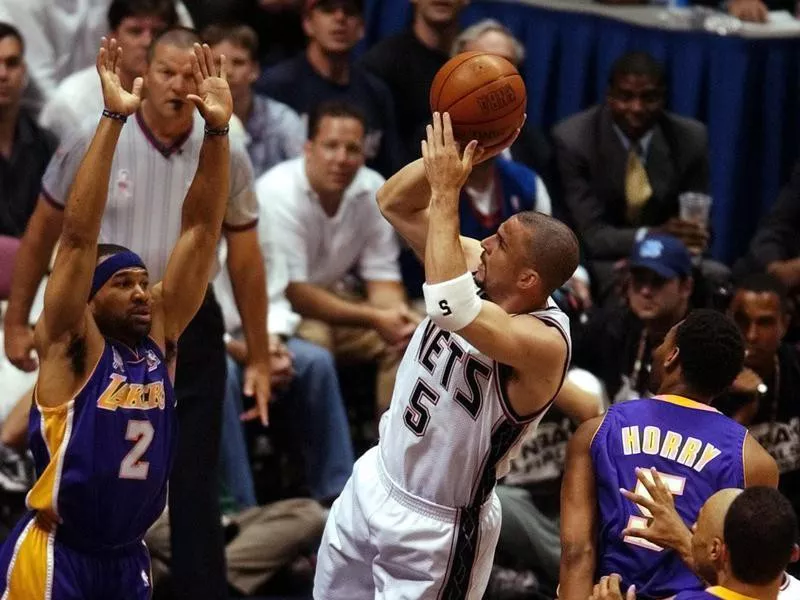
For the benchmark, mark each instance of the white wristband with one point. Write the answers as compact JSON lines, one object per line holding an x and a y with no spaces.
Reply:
{"x":452,"y":304}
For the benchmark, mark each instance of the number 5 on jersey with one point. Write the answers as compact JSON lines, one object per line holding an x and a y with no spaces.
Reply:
{"x":132,"y":466}
{"x":674,"y":484}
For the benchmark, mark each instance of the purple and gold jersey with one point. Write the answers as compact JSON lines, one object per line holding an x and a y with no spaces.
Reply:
{"x":103,"y":458}
{"x":696,"y":450}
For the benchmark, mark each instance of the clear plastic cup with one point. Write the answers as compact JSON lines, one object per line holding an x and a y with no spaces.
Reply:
{"x":695,"y":207}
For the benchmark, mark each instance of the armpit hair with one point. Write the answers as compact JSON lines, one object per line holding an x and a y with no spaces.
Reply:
{"x":76,"y":351}
{"x":170,"y":350}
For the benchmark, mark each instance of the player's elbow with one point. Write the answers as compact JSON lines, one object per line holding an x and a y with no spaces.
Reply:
{"x":576,"y":554}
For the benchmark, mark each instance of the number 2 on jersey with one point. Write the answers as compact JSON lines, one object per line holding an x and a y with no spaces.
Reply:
{"x":132,"y":466}
{"x":674,"y":484}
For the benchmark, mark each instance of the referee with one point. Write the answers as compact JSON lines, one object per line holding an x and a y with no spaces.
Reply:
{"x":155,"y":161}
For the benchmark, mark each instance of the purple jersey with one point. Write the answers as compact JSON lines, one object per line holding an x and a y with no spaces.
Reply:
{"x":103,"y":458}
{"x":697,"y":452}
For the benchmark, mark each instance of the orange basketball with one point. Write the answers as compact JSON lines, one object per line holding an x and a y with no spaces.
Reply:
{"x":484,"y":95}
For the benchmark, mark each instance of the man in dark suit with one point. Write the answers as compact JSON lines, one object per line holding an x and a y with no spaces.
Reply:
{"x":623,"y":165}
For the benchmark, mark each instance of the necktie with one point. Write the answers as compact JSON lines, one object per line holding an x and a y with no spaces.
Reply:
{"x":637,"y":185}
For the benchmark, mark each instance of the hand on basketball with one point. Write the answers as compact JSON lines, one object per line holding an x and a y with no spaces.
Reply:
{"x":447,"y":169}
{"x":213,"y":98}
{"x":666,"y":527}
{"x":609,"y":589}
{"x":115,"y":97}
{"x":484,"y":153}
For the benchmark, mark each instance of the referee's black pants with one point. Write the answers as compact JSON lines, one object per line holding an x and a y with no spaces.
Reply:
{"x":198,"y":549}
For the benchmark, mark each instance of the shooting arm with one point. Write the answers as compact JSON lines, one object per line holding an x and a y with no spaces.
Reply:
{"x":578,"y":517}
{"x":404,"y":201}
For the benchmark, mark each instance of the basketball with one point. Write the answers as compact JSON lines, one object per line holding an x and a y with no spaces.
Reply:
{"x":484,"y":95}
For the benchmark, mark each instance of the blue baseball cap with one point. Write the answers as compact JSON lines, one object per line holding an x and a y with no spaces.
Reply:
{"x":663,"y":254}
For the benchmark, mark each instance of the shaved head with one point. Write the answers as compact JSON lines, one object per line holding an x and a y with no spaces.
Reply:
{"x":712,"y":516}
{"x":708,"y":537}
{"x":553,"y":250}
{"x":179,"y":37}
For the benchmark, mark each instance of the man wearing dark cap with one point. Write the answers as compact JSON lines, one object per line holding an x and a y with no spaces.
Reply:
{"x":325,"y":71}
{"x":617,"y":342}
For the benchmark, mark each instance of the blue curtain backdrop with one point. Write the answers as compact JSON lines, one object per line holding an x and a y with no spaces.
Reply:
{"x":745,"y":90}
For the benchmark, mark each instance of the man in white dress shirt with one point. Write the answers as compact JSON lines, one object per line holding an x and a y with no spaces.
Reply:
{"x":327,"y":222}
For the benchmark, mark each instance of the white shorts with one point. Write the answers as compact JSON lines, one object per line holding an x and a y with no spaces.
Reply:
{"x":382,"y":542}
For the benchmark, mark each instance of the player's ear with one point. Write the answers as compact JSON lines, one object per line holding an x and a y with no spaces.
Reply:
{"x":672,"y":358}
{"x":717,"y":550}
{"x":528,"y":278}
{"x":795,"y":554}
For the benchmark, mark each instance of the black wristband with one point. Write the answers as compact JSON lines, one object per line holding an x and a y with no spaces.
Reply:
{"x":115,"y":115}
{"x":220,"y":131}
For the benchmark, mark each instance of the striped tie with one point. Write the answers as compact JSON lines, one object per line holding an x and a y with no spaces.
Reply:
{"x":637,"y":185}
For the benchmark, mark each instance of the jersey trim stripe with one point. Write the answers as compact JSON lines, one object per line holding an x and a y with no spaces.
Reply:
{"x":165,"y":151}
{"x":15,"y":555}
{"x":686,"y":402}
{"x":50,"y":200}
{"x":238,"y":228}
{"x":28,"y":572}
{"x":459,"y":575}
{"x":504,"y":436}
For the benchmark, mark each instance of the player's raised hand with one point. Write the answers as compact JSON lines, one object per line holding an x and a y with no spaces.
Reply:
{"x":213,"y":98}
{"x":447,"y":169}
{"x":666,"y":527}
{"x":115,"y":97}
{"x":484,"y":153}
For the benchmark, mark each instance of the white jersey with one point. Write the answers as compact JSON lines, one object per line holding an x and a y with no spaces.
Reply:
{"x":450,"y":431}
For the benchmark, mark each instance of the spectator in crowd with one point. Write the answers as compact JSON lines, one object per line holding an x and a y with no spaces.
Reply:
{"x":775,"y":247}
{"x":327,"y":224}
{"x":275,"y":132}
{"x":62,"y":37}
{"x":304,"y":378}
{"x":262,"y":541}
{"x":764,"y":396}
{"x":325,"y":71}
{"x":617,"y":342}
{"x":529,"y":494}
{"x":623,"y":165}
{"x":134,"y":24}
{"x":532,"y":148}
{"x":408,"y":62}
{"x":25,"y":148}
{"x":153,"y":166}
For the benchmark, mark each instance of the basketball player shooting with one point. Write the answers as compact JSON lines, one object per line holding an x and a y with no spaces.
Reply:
{"x":419,"y":517}
{"x":103,"y":425}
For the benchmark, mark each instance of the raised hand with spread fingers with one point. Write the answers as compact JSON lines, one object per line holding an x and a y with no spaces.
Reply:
{"x":116,"y":98}
{"x":213,"y":98}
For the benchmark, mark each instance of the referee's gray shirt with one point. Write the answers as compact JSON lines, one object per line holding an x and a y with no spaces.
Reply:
{"x":148,"y":185}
